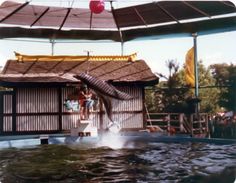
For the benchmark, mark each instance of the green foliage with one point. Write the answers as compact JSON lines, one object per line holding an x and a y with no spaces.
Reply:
{"x":173,"y":95}
{"x":169,"y":96}
{"x":208,"y":93}
{"x":150,"y":99}
{"x":225,"y":76}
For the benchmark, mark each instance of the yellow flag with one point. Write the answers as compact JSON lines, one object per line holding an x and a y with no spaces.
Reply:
{"x":189,"y":67}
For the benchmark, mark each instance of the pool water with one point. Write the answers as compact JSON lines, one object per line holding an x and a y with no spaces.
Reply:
{"x":188,"y":162}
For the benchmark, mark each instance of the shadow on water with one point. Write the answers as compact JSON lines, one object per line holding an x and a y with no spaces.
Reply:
{"x":188,"y":162}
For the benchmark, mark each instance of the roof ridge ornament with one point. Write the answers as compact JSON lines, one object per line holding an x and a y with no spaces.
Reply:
{"x":23,"y":58}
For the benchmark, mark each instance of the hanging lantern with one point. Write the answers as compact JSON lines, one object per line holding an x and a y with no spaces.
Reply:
{"x":96,"y":6}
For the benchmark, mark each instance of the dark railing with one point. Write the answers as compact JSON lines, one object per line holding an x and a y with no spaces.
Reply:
{"x":180,"y":123}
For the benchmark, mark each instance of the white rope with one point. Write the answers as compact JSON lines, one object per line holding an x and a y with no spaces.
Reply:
{"x":150,"y":122}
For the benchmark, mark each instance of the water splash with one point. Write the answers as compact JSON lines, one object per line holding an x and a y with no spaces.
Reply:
{"x":114,"y":127}
{"x":111,"y":140}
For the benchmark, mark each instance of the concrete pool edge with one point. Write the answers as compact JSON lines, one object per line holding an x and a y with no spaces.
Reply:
{"x":34,"y":140}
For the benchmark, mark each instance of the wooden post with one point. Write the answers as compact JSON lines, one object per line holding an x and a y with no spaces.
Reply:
{"x":59,"y":108}
{"x":181,"y":122}
{"x":14,"y":110}
{"x":1,"y":112}
{"x":168,"y":122}
{"x":200,"y":121}
{"x":191,"y":123}
{"x":207,"y":121}
{"x":144,"y":110}
{"x":101,"y":114}
{"x":234,"y":97}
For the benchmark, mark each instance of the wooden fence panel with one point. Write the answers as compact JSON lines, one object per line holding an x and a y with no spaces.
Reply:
{"x":37,"y":123}
{"x":36,"y":100}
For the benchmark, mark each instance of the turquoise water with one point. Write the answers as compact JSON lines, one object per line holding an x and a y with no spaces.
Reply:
{"x":145,"y":161}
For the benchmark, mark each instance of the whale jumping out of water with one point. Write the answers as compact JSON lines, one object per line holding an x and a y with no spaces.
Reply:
{"x":103,"y":87}
{"x":104,"y":90}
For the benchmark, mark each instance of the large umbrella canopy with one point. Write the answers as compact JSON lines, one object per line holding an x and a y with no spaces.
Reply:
{"x":123,"y":24}
{"x":53,"y":17}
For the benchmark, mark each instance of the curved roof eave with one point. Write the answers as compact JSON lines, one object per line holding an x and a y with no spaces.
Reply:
{"x":123,"y":24}
{"x":174,"y":30}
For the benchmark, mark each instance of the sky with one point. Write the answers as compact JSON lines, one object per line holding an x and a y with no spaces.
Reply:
{"x":214,"y":48}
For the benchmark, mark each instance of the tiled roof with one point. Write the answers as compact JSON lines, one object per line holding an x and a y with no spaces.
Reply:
{"x":37,"y":78}
{"x":59,"y":71}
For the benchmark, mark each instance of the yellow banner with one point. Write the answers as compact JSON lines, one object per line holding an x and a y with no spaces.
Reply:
{"x":189,"y":68}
